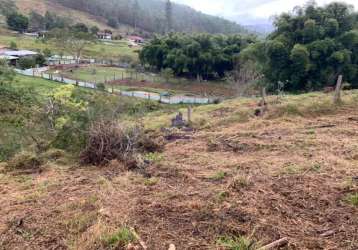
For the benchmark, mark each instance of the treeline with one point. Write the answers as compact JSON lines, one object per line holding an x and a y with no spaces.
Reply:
{"x":34,"y":22}
{"x":309,"y":48}
{"x":150,"y":15}
{"x":202,"y":55}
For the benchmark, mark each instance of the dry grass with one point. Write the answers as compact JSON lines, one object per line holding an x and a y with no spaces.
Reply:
{"x":288,"y":175}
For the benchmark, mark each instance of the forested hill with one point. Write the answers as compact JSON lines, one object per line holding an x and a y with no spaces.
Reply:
{"x":150,"y":15}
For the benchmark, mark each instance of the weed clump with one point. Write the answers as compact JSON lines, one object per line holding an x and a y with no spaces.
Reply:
{"x":352,"y":199}
{"x":24,"y":161}
{"x":109,"y":141}
{"x":119,"y":239}
{"x":237,"y":243}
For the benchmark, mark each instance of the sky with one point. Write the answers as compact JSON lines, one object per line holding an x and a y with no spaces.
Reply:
{"x":250,"y":11}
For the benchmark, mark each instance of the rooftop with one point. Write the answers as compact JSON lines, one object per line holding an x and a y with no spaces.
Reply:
{"x":20,"y":53}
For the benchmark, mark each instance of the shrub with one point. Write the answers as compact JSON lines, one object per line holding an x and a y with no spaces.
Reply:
{"x":47,"y":52}
{"x":13,"y":45}
{"x":101,"y":87}
{"x":53,"y":154}
{"x":24,"y":161}
{"x":109,"y":141}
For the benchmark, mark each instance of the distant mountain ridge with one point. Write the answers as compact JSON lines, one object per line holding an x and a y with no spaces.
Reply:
{"x":149,"y":15}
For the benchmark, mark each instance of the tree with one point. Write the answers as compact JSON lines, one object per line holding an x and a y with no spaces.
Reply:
{"x":72,"y":41}
{"x":80,"y":27}
{"x":7,"y":75}
{"x":167,"y":73}
{"x":311,"y":47}
{"x":27,"y":63}
{"x":169,"y":15}
{"x":135,"y":13}
{"x":47,"y":52}
{"x":53,"y":21}
{"x":7,"y":7}
{"x":36,"y":22}
{"x":112,"y":22}
{"x":200,"y":56}
{"x":40,"y":60}
{"x":17,"y":22}
{"x":94,"y":30}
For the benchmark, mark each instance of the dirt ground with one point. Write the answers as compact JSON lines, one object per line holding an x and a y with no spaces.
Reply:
{"x":210,"y":89}
{"x":264,"y":179}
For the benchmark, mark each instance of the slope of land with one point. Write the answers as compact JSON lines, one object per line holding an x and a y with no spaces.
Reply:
{"x":288,"y":174}
{"x":41,"y":6}
{"x":151,"y":15}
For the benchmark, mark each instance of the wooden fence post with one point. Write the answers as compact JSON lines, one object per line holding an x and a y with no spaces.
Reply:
{"x":189,"y":114}
{"x":263,"y":102}
{"x":337,"y":95}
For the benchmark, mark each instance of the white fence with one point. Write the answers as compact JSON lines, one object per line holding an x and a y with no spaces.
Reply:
{"x":176,"y":99}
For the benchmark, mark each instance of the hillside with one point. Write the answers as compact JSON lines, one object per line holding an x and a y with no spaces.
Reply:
{"x":149,"y":15}
{"x":235,"y":181}
{"x":41,"y":6}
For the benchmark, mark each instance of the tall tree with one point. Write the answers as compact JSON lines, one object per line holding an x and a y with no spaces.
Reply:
{"x":169,"y":15}
{"x":17,"y":22}
{"x":135,"y":13}
{"x":311,"y":47}
{"x":72,"y":41}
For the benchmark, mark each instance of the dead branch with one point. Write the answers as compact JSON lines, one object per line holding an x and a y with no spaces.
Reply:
{"x":328,"y":233}
{"x":275,"y":244}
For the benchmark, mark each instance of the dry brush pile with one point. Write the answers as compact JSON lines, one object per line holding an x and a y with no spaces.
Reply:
{"x":109,"y":140}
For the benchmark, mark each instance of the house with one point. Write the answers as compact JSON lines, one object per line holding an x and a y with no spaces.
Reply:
{"x":12,"y":56}
{"x":105,"y":35}
{"x":136,"y":39}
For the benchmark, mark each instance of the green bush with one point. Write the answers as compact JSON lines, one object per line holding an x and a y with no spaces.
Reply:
{"x":101,"y":86}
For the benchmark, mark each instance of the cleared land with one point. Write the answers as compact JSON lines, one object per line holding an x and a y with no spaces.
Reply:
{"x":100,"y":50}
{"x":129,"y":79}
{"x":291,"y":173}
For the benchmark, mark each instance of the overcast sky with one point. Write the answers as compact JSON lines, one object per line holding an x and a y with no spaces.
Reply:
{"x":247,"y":11}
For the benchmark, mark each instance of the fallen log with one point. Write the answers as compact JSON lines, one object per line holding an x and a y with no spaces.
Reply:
{"x":275,"y":244}
{"x":328,"y":233}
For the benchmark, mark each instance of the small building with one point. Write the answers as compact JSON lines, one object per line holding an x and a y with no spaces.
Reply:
{"x":105,"y":35}
{"x":12,"y":56}
{"x":136,"y":39}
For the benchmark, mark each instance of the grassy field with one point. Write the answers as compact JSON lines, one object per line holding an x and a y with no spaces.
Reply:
{"x":235,"y":181}
{"x":129,"y":79}
{"x":101,"y":50}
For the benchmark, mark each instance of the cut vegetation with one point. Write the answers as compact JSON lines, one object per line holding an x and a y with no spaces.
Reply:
{"x":247,"y":191}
